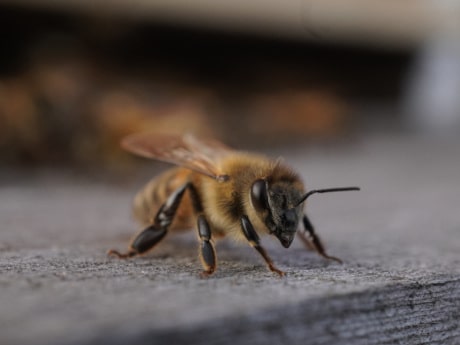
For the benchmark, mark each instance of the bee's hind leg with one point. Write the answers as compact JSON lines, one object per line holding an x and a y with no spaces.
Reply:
{"x":153,"y":234}
{"x":146,"y":240}
{"x":312,"y":241}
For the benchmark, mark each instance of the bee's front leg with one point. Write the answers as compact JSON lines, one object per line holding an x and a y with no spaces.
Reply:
{"x":254,"y":240}
{"x":312,"y":241}
{"x":155,"y":232}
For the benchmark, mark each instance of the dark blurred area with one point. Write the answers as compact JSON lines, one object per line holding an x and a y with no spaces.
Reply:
{"x":74,"y":80}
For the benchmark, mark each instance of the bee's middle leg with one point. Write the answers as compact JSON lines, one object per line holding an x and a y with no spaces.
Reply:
{"x":312,"y":240}
{"x":207,"y":251}
{"x":155,"y":232}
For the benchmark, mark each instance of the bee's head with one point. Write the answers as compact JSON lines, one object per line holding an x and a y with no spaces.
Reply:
{"x":280,"y":206}
{"x":276,"y":206}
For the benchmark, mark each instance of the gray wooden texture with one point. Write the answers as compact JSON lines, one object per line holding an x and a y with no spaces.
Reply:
{"x":399,"y":239}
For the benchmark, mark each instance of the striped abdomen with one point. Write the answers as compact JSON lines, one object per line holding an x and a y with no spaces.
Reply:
{"x":149,"y":199}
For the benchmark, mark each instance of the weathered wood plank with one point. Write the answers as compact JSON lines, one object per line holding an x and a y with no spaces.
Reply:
{"x":399,"y":238}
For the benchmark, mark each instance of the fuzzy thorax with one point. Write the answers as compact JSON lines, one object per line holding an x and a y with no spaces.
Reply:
{"x":226,"y":202}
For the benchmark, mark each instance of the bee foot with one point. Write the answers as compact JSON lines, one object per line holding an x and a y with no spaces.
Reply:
{"x":113,"y":252}
{"x":276,"y":270}
{"x":333,"y":258}
{"x":205,"y":274}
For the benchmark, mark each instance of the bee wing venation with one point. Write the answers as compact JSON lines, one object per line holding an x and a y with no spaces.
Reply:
{"x":186,"y":151}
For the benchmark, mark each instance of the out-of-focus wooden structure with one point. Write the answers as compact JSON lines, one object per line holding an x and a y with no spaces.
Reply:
{"x":374,"y":23}
{"x":77,"y":75}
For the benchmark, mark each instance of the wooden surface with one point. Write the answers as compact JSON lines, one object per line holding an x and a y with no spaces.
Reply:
{"x":372,"y":23}
{"x":399,"y":239}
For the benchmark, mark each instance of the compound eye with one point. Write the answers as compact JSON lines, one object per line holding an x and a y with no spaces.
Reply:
{"x":259,"y":196}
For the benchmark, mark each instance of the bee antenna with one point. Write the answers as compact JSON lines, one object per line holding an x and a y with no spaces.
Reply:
{"x":326,"y":190}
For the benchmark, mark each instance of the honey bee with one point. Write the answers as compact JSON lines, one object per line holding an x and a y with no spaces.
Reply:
{"x":221,"y":191}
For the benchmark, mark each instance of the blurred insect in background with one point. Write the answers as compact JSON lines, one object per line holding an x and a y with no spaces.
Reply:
{"x":222,"y":192}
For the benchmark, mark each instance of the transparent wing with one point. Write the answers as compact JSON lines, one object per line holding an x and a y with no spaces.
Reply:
{"x":187,"y":151}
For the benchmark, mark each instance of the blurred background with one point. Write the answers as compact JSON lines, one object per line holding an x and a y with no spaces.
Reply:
{"x":78,"y":75}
